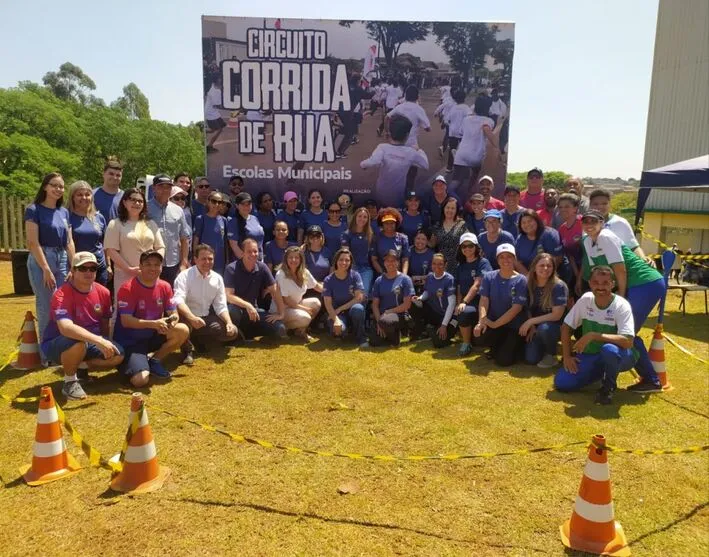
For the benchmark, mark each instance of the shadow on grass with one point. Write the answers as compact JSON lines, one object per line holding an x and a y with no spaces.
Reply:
{"x":338,"y":520}
{"x":693,"y":325}
{"x":581,"y":403}
{"x":682,"y":407}
{"x":695,"y":510}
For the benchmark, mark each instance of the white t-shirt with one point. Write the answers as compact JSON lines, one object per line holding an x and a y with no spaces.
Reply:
{"x":621,"y":228}
{"x":498,"y":108}
{"x":393,"y":96}
{"x":471,"y":150}
{"x":445,"y":92}
{"x":290,"y":289}
{"x":608,"y":244}
{"x":211,"y":102}
{"x":394,"y":162}
{"x":456,"y":116}
{"x":444,"y":108}
{"x":616,"y":319}
{"x":416,"y":115}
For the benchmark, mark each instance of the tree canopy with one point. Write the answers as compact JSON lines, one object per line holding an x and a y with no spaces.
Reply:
{"x":466,"y":44}
{"x":392,"y":34}
{"x":60,"y":126}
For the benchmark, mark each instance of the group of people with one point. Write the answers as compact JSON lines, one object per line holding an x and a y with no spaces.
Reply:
{"x":122,"y":280}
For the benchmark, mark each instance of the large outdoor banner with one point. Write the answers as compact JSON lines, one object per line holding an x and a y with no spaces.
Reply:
{"x":370,"y":108}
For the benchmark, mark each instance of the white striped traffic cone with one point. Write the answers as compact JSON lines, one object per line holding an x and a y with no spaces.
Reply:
{"x":28,"y":357}
{"x":657,"y":357}
{"x":592,"y":527}
{"x":141,"y":472}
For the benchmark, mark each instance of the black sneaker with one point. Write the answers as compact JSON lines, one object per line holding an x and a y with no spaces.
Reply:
{"x":604,"y":396}
{"x":645,"y":387}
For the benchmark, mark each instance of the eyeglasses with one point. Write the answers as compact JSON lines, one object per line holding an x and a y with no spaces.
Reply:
{"x":87,"y":269}
{"x":334,"y":210}
{"x":136,"y":200}
{"x":56,"y":186}
{"x":203,"y":186}
{"x":217,"y":202}
{"x":179,"y":198}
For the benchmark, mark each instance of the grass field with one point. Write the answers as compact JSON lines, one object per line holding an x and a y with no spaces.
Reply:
{"x":230,"y":498}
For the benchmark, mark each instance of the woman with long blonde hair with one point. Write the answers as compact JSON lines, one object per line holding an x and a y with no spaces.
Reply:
{"x":548,"y":298}
{"x":359,"y":239}
{"x":294,"y":280}
{"x":88,"y":226}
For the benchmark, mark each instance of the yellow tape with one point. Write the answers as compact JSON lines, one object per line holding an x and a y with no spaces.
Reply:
{"x":94,"y":456}
{"x":357,"y":456}
{"x":692,"y":258}
{"x":683,"y":349}
{"x":645,"y":452}
{"x":18,"y":399}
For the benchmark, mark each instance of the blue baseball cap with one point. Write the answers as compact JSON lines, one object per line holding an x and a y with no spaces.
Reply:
{"x":492,"y":214}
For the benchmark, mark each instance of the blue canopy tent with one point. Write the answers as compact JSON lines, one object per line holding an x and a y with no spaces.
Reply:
{"x":687,"y":175}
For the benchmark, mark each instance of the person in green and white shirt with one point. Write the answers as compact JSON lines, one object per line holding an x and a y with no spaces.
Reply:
{"x":636,"y":281}
{"x":606,"y":345}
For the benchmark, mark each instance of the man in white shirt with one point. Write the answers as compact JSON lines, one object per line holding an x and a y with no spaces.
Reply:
{"x":454,"y":119}
{"x":201,"y":301}
{"x":394,"y":160}
{"x":393,"y":94}
{"x":414,"y":112}
{"x":498,"y":107}
{"x":212,"y":116}
{"x":600,"y":200}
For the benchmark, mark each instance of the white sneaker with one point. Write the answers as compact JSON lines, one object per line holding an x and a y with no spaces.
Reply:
{"x":548,"y":361}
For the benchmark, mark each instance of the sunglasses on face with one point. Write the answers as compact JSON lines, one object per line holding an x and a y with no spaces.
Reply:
{"x":179,"y":198}
{"x":217,"y":202}
{"x":87,"y":268}
{"x":334,"y":210}
{"x":203,"y":186}
{"x":136,"y":200}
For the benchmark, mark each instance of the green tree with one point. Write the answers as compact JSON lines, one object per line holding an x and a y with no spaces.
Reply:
{"x":392,"y":34}
{"x":552,"y":179}
{"x":502,"y":52}
{"x":70,"y":83}
{"x":466,"y":44}
{"x":133,"y":103}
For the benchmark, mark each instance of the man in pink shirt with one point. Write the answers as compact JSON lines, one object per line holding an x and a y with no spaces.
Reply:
{"x":533,"y":196}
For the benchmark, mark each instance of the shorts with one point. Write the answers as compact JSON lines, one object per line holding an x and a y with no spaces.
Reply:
{"x":468,"y":317}
{"x":216,"y":124}
{"x":136,"y":358}
{"x":54,"y":348}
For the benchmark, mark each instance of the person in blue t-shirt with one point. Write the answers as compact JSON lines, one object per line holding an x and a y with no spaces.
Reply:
{"x":435,"y":305}
{"x":314,"y":215}
{"x":108,"y":196}
{"x":87,"y":226}
{"x":317,"y":256}
{"x":274,"y":250}
{"x":475,"y":218}
{"x":334,"y":227}
{"x":244,"y":225}
{"x":534,"y":238}
{"x":359,"y":239}
{"x":512,"y":211}
{"x":391,"y":300}
{"x":344,"y":297}
{"x":468,"y":277}
{"x":265,"y":214}
{"x":211,"y":229}
{"x":493,"y":236}
{"x":503,"y":297}
{"x":373,"y":209}
{"x":420,"y":260}
{"x":290,"y":214}
{"x":202,"y":191}
{"x":413,"y":218}
{"x":50,"y":244}
{"x":548,"y":298}
{"x":388,"y":239}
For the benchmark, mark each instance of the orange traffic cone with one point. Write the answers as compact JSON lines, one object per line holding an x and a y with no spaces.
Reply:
{"x":50,"y":459}
{"x":28,"y":357}
{"x":657,"y":357}
{"x":141,"y":472}
{"x":592,"y":527}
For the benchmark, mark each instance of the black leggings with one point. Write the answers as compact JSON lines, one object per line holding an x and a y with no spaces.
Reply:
{"x":506,"y":345}
{"x":423,"y":316}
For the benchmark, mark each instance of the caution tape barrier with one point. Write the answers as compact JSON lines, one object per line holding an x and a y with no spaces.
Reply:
{"x":683,"y":349}
{"x":18,"y":399}
{"x":95,"y":457}
{"x":691,"y":258}
{"x":645,"y":452}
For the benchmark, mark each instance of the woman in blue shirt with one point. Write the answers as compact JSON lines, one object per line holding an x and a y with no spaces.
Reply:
{"x":548,"y":297}
{"x":534,"y":238}
{"x":211,"y":229}
{"x":359,"y":239}
{"x":388,"y":238}
{"x":412,"y":218}
{"x":244,"y":225}
{"x":343,"y":297}
{"x":274,"y":250}
{"x":468,"y":277}
{"x":50,"y":244}
{"x":435,"y":305}
{"x":87,"y":226}
{"x":313,"y":215}
{"x":334,"y":227}
{"x":391,"y":301}
{"x":265,"y":214}
{"x":317,"y":256}
{"x":493,"y":236}
{"x":420,"y":260}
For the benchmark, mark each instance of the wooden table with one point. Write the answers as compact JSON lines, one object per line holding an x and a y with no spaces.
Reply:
{"x":690,"y":288}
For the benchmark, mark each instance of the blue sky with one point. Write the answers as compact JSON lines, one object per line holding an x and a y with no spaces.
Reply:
{"x":581,"y":79}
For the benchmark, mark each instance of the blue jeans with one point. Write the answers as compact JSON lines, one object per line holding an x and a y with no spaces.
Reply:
{"x":367,"y":274}
{"x":251,"y":329}
{"x":543,"y":342}
{"x":603,"y":366}
{"x":58,"y":264}
{"x":642,"y":299}
{"x":352,"y":320}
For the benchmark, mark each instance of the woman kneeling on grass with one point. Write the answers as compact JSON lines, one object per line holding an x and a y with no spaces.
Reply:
{"x":469,"y":276}
{"x":391,"y":300}
{"x":503,"y":296}
{"x":435,"y":306}
{"x":343,"y":296}
{"x":293,"y":281}
{"x":548,"y":297}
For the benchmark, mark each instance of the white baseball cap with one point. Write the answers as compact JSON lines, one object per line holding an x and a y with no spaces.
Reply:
{"x":468,"y":237}
{"x":505,"y":248}
{"x":439,"y":178}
